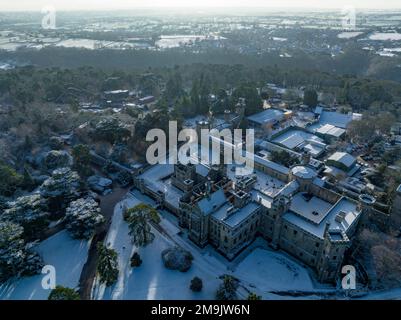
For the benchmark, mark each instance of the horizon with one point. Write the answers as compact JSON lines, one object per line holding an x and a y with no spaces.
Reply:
{"x":206,"y":5}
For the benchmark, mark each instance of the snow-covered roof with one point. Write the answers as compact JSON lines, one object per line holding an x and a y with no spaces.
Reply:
{"x":304,"y":172}
{"x":272,"y":165}
{"x":314,"y":149}
{"x":267,"y":116}
{"x":289,"y":189}
{"x":319,"y":182}
{"x":399,"y":188}
{"x":335,"y":118}
{"x":341,"y":217}
{"x":292,"y":138}
{"x":202,"y":170}
{"x":292,"y":141}
{"x":342,"y":157}
{"x":237,"y":216}
{"x":213,"y":202}
{"x":310,"y":207}
{"x":329,"y":129}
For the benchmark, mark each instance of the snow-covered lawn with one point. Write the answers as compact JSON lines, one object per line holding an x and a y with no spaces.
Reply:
{"x":261,"y":271}
{"x":61,"y":251}
{"x":151,"y":280}
{"x":268,"y":270}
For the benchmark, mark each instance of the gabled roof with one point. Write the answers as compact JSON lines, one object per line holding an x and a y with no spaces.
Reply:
{"x":267,"y":116}
{"x":343,"y":157}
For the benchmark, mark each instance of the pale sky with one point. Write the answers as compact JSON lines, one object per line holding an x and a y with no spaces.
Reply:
{"x":37,"y":5}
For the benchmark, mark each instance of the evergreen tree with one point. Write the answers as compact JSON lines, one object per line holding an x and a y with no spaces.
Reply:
{"x":228,"y":289}
{"x":107,"y":265}
{"x":30,"y":212}
{"x":82,"y":159}
{"x":61,"y":188}
{"x":15,"y":259}
{"x":82,"y":217}
{"x":253,"y":102}
{"x":63,"y":293}
{"x":310,"y":98}
{"x":195,"y":97}
{"x":10,"y":180}
{"x":254,"y":296}
{"x":138,"y":220}
{"x":27,"y":181}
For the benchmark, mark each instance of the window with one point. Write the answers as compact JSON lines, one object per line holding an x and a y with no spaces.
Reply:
{"x":317,"y":244}
{"x":295,"y":232}
{"x":315,"y":253}
{"x":334,"y":257}
{"x":285,"y":227}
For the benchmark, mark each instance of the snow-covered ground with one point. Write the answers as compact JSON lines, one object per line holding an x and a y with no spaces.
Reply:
{"x":67,"y":255}
{"x":260,"y":271}
{"x":268,"y":270}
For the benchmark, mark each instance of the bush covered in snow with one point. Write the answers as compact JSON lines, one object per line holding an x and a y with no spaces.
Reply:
{"x":63,"y":293}
{"x":61,"y":188}
{"x":56,"y":143}
{"x":107,"y":265}
{"x":30,"y":212}
{"x":228,"y":289}
{"x":82,"y":217}
{"x":136,"y":260}
{"x":57,"y":159}
{"x":196,"y":284}
{"x":15,"y":258}
{"x":111,"y":130}
{"x":177,"y":259}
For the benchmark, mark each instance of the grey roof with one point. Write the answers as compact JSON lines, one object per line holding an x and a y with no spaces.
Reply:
{"x":267,"y":116}
{"x":344,"y":206}
{"x":330,"y":130}
{"x":335,"y":118}
{"x":343,"y":157}
{"x":236,"y":217}
{"x":202,"y":170}
{"x":213,"y":202}
{"x":272,"y":165}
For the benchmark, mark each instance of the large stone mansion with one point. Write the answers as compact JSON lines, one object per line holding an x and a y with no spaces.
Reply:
{"x":292,"y":208}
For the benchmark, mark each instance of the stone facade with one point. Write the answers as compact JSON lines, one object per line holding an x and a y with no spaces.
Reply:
{"x":230,"y":215}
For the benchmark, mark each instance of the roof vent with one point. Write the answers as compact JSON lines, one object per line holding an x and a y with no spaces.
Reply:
{"x":340,"y":216}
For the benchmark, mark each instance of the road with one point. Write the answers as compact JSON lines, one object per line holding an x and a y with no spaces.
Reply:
{"x":107,"y":204}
